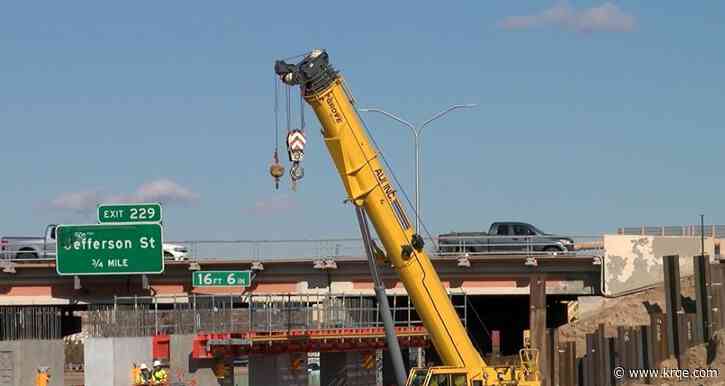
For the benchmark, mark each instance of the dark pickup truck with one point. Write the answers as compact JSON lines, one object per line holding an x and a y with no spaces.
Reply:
{"x":504,"y":237}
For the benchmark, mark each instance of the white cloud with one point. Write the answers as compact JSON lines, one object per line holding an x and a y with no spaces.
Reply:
{"x":77,"y":201}
{"x":272,"y":205}
{"x":606,"y":17}
{"x":164,"y":191}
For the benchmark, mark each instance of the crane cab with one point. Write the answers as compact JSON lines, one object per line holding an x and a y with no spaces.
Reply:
{"x":523,"y":373}
{"x":440,"y":376}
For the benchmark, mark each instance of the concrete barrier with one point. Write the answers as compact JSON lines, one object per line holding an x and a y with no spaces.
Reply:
{"x":20,"y":359}
{"x":108,"y":361}
{"x":184,"y":369}
{"x":632,"y":262}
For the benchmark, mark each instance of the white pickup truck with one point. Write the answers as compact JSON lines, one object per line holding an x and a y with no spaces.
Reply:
{"x":21,"y":248}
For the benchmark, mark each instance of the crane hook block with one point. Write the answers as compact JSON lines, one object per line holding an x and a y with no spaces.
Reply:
{"x":296,"y":145}
{"x":276,"y":170}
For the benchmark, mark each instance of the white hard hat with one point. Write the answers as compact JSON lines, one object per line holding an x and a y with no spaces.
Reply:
{"x":143,"y":366}
{"x":157,"y":363}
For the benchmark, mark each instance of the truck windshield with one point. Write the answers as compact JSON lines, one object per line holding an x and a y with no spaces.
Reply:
{"x":538,"y":231}
{"x":418,"y":378}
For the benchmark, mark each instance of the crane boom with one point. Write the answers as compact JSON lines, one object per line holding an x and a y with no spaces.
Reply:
{"x":368,"y":186}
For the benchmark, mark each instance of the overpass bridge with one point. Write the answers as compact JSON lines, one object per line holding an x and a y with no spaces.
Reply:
{"x":321,"y":304}
{"x":35,"y":282}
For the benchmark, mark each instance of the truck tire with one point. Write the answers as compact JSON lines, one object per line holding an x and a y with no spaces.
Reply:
{"x":26,"y":254}
{"x":556,"y":250}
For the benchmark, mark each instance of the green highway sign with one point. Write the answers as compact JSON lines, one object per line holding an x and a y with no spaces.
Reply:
{"x":221,"y":278}
{"x":109,"y":249}
{"x":129,"y":213}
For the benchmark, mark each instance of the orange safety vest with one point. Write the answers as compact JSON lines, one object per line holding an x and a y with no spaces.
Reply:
{"x":41,"y":379}
{"x":136,"y":376}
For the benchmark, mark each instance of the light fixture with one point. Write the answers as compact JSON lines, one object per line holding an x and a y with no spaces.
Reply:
{"x":463,"y":261}
{"x":194,"y":266}
{"x":257,"y":266}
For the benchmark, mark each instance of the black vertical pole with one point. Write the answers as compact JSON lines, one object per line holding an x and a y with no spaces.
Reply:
{"x":603,"y":358}
{"x":589,"y":365}
{"x":621,"y":347}
{"x":701,"y":265}
{"x":716,"y":285}
{"x":673,"y":303}
{"x":647,"y":348}
{"x":702,"y":234}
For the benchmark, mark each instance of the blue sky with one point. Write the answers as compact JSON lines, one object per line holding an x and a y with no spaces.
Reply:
{"x":592,"y":115}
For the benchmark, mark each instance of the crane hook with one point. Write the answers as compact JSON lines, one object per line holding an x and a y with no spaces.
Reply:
{"x":296,"y":151}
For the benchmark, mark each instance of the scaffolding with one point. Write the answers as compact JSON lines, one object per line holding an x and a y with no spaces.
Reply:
{"x":259,"y":313}
{"x":30,"y":322}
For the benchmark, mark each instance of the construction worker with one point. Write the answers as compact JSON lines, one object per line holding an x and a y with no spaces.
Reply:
{"x":141,"y":375}
{"x":42,"y":378}
{"x":158,"y":376}
{"x":135,"y":374}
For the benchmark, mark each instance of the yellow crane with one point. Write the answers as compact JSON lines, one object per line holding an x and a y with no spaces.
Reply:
{"x":369,"y":187}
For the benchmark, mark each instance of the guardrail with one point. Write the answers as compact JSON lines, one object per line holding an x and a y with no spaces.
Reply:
{"x":716,"y":231}
{"x":349,"y":248}
{"x":343,"y":248}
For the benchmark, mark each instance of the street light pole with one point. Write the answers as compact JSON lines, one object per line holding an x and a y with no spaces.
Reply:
{"x":416,"y":142}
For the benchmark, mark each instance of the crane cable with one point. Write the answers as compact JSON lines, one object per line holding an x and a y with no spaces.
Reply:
{"x":289,"y":107}
{"x":302,"y":111}
{"x":276,"y":117}
{"x":276,"y":170}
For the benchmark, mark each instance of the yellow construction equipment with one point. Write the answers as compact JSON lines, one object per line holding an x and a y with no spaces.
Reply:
{"x":369,"y":187}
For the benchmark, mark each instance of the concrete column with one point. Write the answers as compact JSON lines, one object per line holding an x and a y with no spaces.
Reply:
{"x":537,"y":323}
{"x":495,"y":345}
{"x":108,"y":361}
{"x":186,"y":370}
{"x":349,"y":368}
{"x":20,"y":359}
{"x":277,"y":369}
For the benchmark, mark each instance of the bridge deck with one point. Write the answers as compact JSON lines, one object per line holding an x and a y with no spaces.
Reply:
{"x":36,"y":282}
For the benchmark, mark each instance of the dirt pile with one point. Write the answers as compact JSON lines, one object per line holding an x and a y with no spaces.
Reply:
{"x":699,"y":357}
{"x":631,"y":310}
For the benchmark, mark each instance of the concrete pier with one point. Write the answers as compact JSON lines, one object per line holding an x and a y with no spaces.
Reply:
{"x":20,"y":359}
{"x":389,"y":372}
{"x":348,"y":368}
{"x":108,"y":361}
{"x":278,"y":369}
